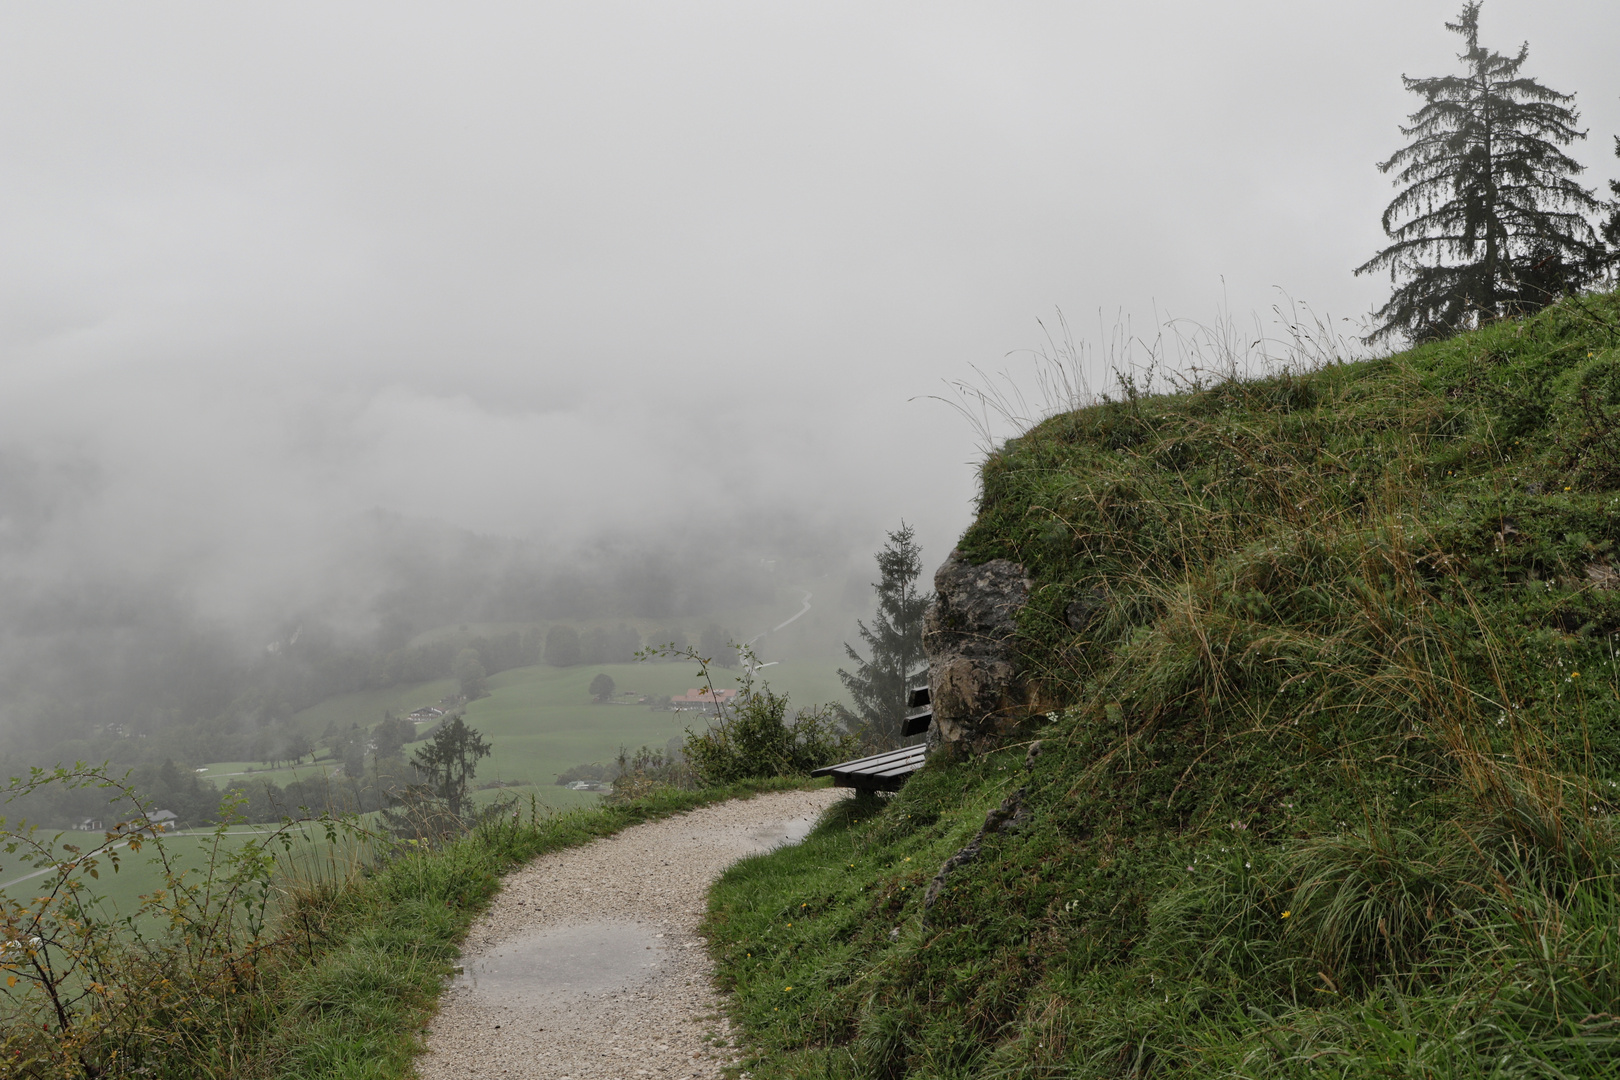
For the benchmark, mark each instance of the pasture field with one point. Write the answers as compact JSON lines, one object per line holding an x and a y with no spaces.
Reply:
{"x":541,"y":720}
{"x":223,"y":772}
{"x":140,"y":872}
{"x":366,"y":707}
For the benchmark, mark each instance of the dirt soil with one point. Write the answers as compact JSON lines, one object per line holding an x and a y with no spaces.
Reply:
{"x":588,"y":965}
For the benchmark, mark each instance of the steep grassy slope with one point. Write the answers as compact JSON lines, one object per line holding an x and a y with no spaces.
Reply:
{"x":1325,"y":786}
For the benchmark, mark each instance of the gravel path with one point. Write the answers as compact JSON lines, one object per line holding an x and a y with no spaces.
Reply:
{"x":588,"y":965}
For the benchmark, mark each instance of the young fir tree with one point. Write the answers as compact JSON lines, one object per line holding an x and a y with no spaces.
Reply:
{"x":449,"y":761}
{"x":894,"y":640}
{"x":1488,"y":222}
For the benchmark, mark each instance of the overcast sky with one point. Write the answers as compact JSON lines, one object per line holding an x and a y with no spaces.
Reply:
{"x":543,"y":268}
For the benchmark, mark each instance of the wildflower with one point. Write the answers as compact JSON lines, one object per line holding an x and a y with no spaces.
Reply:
{"x":786,"y":988}
{"x":1574,"y":674}
{"x":1286,"y":914}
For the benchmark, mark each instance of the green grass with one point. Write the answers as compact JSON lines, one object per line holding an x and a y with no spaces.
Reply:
{"x":1329,"y":705}
{"x":118,"y":892}
{"x":367,"y":707}
{"x":541,"y":720}
{"x":224,"y":772}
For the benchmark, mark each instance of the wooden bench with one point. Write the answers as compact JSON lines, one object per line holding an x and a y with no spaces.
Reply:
{"x":892,"y":768}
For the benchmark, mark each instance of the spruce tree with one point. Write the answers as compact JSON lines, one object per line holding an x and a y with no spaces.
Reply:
{"x":1611,"y":228}
{"x":1488,"y":222}
{"x":449,"y":761}
{"x":893,"y":641}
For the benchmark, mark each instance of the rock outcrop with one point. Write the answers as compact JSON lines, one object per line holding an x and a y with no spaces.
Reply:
{"x":974,"y":679}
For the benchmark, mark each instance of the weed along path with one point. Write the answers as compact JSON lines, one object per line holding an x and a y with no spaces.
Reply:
{"x":588,"y":964}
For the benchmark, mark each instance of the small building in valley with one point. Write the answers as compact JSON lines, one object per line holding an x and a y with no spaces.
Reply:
{"x":702,"y":698}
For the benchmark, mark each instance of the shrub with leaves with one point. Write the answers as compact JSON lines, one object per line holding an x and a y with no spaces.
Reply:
{"x":754,"y":737}
{"x":638,"y":775}
{"x":757,"y":739}
{"x":175,"y":987}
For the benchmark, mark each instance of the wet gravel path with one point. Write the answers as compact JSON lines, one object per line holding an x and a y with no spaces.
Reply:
{"x":588,"y":965}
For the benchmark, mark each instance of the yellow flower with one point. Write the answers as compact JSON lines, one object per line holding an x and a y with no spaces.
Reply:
{"x":1286,"y":914}
{"x":786,"y":988}
{"x":1574,"y":674}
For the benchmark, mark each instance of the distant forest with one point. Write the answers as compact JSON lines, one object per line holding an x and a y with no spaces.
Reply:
{"x":97,"y":666}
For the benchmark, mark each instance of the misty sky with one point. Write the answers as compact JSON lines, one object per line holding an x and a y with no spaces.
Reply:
{"x":550,"y":269}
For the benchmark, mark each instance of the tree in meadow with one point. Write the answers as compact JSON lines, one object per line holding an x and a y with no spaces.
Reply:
{"x":893,"y":641}
{"x":1489,"y":222}
{"x":449,"y":761}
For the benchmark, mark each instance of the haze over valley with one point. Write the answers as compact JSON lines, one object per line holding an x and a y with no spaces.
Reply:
{"x":335,"y":342}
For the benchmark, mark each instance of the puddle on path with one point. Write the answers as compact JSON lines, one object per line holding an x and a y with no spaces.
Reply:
{"x":586,"y":959}
{"x":782,"y":833}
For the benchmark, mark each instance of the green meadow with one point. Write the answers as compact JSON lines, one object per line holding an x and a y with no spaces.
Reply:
{"x":366,"y":707}
{"x":141,"y":873}
{"x":223,"y":772}
{"x":542,"y":720}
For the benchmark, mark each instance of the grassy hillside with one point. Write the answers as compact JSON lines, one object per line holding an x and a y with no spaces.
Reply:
{"x":1325,"y":785}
